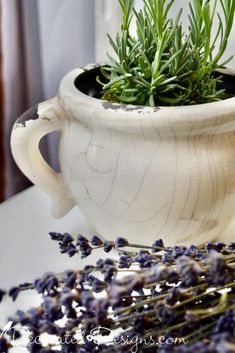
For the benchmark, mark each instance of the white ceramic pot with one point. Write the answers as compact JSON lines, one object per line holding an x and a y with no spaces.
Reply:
{"x":139,"y":172}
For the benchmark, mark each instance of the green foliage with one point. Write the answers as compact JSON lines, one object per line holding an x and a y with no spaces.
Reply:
{"x":162,"y":65}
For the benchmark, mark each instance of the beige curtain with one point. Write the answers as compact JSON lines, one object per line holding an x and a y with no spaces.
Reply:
{"x":1,"y":124}
{"x":14,"y":86}
{"x":41,"y":41}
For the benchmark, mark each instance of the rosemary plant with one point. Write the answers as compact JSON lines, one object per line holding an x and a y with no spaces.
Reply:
{"x":163,"y":65}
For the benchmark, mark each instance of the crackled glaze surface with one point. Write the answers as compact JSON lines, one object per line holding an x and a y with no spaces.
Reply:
{"x":146,"y":173}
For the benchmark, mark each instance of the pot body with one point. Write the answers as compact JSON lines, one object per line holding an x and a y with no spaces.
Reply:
{"x":148,"y":173}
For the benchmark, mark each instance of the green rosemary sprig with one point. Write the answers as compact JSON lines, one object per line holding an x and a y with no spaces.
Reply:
{"x":163,"y":65}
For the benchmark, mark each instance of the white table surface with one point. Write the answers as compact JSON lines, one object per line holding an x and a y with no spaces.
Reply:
{"x":26,"y":250}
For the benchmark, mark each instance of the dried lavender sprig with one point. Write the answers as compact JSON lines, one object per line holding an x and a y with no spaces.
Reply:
{"x":83,"y":246}
{"x":187,"y":272}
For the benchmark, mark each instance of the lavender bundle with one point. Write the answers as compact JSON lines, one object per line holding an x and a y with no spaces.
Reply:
{"x":146,"y":299}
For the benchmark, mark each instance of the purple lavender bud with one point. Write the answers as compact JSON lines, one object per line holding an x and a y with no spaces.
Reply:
{"x":22,"y":317}
{"x":200,"y":255}
{"x":35,"y":347}
{"x":51,"y":282}
{"x":100,"y":307}
{"x":178,"y":251}
{"x":210,"y":246}
{"x":40,"y":285}
{"x":71,"y":250}
{"x":156,"y":274}
{"x":56,"y":236}
{"x":4,"y":346}
{"x":108,"y":275}
{"x":121,"y":242}
{"x":167,"y":258}
{"x":85,"y":249}
{"x":66,"y":299}
{"x":83,"y":246}
{"x":135,"y":283}
{"x":218,"y":272}
{"x":96,"y":241}
{"x":173,"y":296}
{"x":189,"y":270}
{"x":70,"y":279}
{"x":98,"y":286}
{"x":173,"y":276}
{"x":191,"y":251}
{"x":35,"y":314}
{"x":215,"y":246}
{"x":100,"y":264}
{"x":142,"y":323}
{"x":52,"y":308}
{"x":14,"y":292}
{"x":108,"y":246}
{"x":63,"y":247}
{"x":231,"y":246}
{"x":220,"y":246}
{"x":124,"y":261}
{"x":67,"y":238}
{"x":216,"y":262}
{"x":226,"y":323}
{"x":2,"y":293}
{"x":164,"y":312}
{"x":81,"y":239}
{"x":158,"y":245}
{"x":25,"y":285}
{"x":86,"y":298}
{"x":69,"y":346}
{"x":109,"y":262}
{"x":145,"y":259}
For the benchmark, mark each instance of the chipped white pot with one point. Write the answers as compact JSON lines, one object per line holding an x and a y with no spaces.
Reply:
{"x":135,"y":171}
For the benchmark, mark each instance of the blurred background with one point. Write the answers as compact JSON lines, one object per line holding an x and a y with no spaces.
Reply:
{"x":40,"y":41}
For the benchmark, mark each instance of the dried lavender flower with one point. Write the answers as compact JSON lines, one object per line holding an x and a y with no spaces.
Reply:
{"x":173,"y":291}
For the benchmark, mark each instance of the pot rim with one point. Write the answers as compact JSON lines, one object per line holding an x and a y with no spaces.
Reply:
{"x":98,"y":111}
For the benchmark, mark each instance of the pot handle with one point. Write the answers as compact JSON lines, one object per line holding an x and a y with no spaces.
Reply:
{"x":26,"y":134}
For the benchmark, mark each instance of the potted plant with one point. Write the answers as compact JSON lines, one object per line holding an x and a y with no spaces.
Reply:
{"x":147,"y":141}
